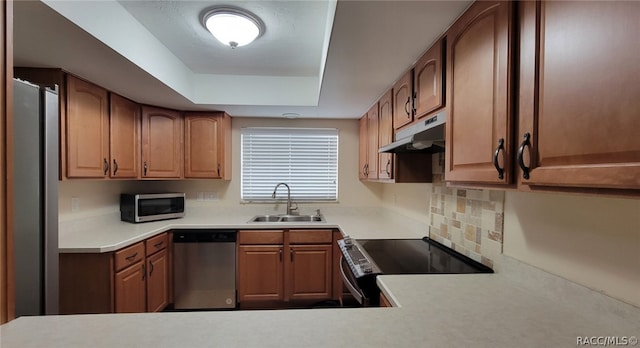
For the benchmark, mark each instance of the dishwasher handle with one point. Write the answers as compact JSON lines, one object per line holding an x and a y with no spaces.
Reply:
{"x":204,"y":236}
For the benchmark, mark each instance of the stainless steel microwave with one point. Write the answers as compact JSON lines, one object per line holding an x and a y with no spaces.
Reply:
{"x":151,"y":207}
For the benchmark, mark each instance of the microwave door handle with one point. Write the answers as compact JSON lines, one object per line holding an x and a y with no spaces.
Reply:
{"x":359,"y":296}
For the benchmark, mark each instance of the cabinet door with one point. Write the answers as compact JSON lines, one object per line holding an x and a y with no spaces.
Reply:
{"x":161,"y":143}
{"x":260,"y":273}
{"x":385,"y":137}
{"x":87,"y":139}
{"x":203,"y":146}
{"x":363,"y":148}
{"x":124,"y":142}
{"x":372,"y":146}
{"x":427,"y":82}
{"x":310,"y":272}
{"x":584,"y":130}
{"x":130,"y":289}
{"x":157,"y":281}
{"x":402,"y":105}
{"x":479,"y":94}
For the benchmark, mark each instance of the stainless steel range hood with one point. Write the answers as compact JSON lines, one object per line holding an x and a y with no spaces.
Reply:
{"x":424,"y":136}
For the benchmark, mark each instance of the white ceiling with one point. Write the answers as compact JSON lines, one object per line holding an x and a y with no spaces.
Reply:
{"x":316,"y":58}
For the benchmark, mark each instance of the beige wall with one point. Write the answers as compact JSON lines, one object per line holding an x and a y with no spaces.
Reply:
{"x":591,"y":240}
{"x":410,"y":200}
{"x":98,"y":197}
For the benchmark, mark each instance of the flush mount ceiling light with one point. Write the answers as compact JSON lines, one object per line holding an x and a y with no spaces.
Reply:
{"x":232,"y":26}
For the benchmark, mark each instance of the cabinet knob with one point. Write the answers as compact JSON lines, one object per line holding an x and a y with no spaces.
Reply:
{"x":145,"y":168}
{"x":496,"y":163}
{"x":525,"y":143}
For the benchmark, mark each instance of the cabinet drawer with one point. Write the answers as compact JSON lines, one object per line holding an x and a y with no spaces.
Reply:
{"x":157,"y":243}
{"x":310,"y":236}
{"x":261,"y":237}
{"x":128,"y":256}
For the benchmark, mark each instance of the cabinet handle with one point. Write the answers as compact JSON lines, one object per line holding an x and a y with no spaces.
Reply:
{"x":525,"y":143}
{"x":115,"y":167}
{"x":144,"y":272}
{"x":106,"y":167}
{"x":495,"y":158}
{"x":387,"y":167}
{"x":291,"y":254}
{"x":406,"y":107}
{"x":131,"y":257}
{"x":218,"y":169}
{"x":366,"y":169}
{"x":158,"y":245}
{"x":145,"y":168}
{"x":150,"y":268}
{"x":415,"y":97}
{"x":280,"y":253}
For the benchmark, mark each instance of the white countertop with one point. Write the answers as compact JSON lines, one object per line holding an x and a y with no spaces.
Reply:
{"x":521,"y":306}
{"x":108,"y":233}
{"x":481,"y":310}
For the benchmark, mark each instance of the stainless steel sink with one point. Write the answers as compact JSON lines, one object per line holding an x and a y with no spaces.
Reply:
{"x":265,"y":218}
{"x":287,"y":218}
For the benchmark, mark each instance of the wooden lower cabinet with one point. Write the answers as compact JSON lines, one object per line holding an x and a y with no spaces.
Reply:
{"x":130,"y":289}
{"x":128,"y":280}
{"x":260,"y":273}
{"x":310,"y":272}
{"x":157,"y":281}
{"x":285,"y":267}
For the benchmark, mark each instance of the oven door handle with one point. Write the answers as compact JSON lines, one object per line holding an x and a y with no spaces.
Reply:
{"x":359,"y":296}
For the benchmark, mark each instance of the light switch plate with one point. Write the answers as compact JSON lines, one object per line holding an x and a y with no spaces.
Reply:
{"x":75,"y":203}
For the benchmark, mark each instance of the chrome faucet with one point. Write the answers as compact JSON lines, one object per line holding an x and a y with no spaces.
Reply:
{"x":289,"y":208}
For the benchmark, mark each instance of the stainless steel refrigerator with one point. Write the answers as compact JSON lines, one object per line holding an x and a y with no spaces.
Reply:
{"x":35,"y":203}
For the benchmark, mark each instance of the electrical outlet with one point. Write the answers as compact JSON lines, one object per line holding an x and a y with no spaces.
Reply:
{"x":211,"y":196}
{"x":395,"y":199}
{"x":75,"y":203}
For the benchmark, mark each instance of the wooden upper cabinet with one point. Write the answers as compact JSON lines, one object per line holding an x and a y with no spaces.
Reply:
{"x":479,"y":94}
{"x":583,"y":126}
{"x":124,"y":137}
{"x":385,"y":136}
{"x":161,"y":143}
{"x":402,"y":101}
{"x":206,"y":155}
{"x":427,"y":81}
{"x":363,"y":147}
{"x":87,"y":126}
{"x":372,"y":146}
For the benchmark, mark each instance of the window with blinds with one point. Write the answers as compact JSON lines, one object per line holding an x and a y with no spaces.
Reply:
{"x":306,"y":159}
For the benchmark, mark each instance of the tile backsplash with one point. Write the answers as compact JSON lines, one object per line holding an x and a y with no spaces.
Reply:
{"x":469,"y":221}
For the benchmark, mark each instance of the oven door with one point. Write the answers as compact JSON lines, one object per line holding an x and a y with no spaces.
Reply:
{"x":364,"y":289}
{"x":350,"y":282}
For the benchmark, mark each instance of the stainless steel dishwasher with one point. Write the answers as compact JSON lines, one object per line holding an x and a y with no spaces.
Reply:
{"x":204,"y":269}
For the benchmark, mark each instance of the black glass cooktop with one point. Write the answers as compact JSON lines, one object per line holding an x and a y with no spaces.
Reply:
{"x":418,"y":256}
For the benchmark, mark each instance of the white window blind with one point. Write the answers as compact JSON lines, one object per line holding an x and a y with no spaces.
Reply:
{"x":304,"y":158}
